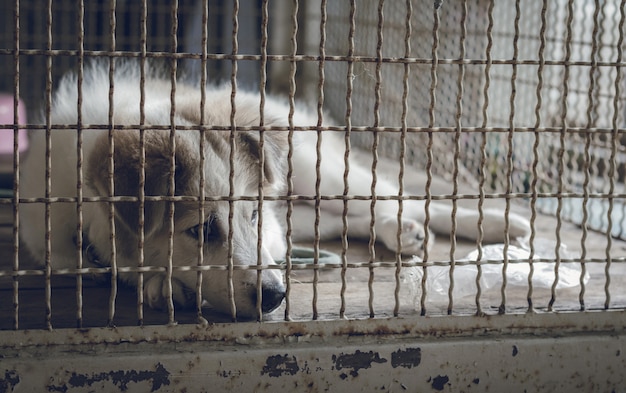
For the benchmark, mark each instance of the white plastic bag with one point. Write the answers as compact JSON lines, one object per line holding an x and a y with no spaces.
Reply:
{"x":517,"y":273}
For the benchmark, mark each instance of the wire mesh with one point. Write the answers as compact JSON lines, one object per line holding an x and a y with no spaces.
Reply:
{"x":513,"y":102}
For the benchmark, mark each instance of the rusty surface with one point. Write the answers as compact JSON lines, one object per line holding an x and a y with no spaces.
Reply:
{"x":536,"y":352}
{"x":573,"y":362}
{"x":250,"y":333}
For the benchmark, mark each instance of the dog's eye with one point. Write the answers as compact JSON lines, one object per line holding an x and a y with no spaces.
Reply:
{"x":209,"y":229}
{"x":255,"y":215}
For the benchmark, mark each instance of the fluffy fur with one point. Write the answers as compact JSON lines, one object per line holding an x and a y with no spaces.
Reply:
{"x":215,"y":170}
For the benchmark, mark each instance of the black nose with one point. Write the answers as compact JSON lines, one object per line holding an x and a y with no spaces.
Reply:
{"x":272,"y":297}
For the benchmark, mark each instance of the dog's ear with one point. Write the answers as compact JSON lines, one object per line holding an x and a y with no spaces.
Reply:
{"x":274,"y":152}
{"x":127,"y":170}
{"x":275,"y":143}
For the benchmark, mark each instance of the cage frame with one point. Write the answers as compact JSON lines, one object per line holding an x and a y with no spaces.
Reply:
{"x":318,"y":353}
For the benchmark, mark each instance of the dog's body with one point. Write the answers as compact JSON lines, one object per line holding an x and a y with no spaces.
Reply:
{"x":214,"y":172}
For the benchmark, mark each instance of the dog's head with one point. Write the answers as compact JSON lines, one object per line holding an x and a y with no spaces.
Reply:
{"x":219,"y":230}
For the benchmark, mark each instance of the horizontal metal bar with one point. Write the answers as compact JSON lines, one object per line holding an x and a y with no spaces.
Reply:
{"x":294,"y":198}
{"x":302,"y":58}
{"x":410,"y":327}
{"x":301,"y":266}
{"x":311,"y":128}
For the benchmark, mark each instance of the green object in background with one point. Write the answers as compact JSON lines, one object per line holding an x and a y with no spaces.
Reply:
{"x":305,"y":255}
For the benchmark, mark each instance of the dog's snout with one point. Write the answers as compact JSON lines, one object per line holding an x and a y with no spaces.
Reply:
{"x":272,"y":297}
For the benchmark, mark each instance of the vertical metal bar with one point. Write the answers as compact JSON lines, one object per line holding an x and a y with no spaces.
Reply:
{"x":612,"y":160}
{"x":429,"y":153}
{"x":16,"y":162}
{"x":561,"y":152}
{"x":142,"y":159}
{"x":48,"y":191}
{"x":346,"y":157}
{"x":172,"y":179}
{"x":202,"y":180}
{"x":509,"y":158}
{"x":604,"y":33}
{"x":608,"y":36}
{"x":483,"y":157}
{"x":318,"y":145}
{"x":260,"y":190}
{"x":402,"y":158}
{"x":231,"y":159}
{"x":292,"y":93}
{"x":601,"y":79}
{"x":375,"y":141}
{"x":79,"y":166}
{"x":289,"y":230}
{"x":535,"y":164}
{"x":457,"y":154}
{"x":587,"y":155}
{"x":113,"y":296}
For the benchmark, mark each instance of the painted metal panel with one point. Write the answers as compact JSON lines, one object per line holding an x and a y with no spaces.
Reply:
{"x":571,"y":363}
{"x":569,"y":352}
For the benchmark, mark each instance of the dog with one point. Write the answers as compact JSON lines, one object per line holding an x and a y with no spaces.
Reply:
{"x":226,"y":230}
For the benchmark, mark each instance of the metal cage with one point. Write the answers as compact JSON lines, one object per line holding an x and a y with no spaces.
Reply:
{"x":512,"y":105}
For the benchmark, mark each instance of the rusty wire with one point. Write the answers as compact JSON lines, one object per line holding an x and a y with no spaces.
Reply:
{"x":16,"y":166}
{"x":303,"y":266}
{"x":292,"y":94}
{"x":374,"y":149}
{"x":111,"y":164}
{"x":483,"y":158}
{"x":509,"y":161}
{"x":295,"y":58}
{"x":612,"y":158}
{"x":535,"y":148}
{"x":142,"y":161}
{"x":79,"y":168}
{"x":202,"y":155}
{"x":402,"y":156}
{"x":231,"y":159}
{"x":429,"y":154}
{"x":561,"y":151}
{"x":169,"y":298}
{"x":260,"y":188}
{"x":596,"y":135}
{"x":346,"y":157}
{"x":587,"y":156}
{"x":457,"y":154}
{"x":48,"y":120}
{"x":318,"y":144}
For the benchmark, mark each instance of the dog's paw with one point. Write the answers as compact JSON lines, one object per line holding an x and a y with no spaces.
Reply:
{"x":156,"y":294}
{"x":412,"y":235}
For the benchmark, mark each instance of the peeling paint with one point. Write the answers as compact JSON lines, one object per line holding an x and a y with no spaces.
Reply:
{"x":62,"y":388}
{"x":357,"y":361}
{"x":9,"y":381}
{"x":278,"y":365}
{"x":408,"y":358}
{"x":515,"y":350}
{"x":439,"y":382}
{"x":121,"y":379}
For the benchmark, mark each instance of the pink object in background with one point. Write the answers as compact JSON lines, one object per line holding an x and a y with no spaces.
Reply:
{"x":6,"y":117}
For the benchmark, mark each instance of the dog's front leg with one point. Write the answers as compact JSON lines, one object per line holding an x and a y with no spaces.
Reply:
{"x":331,"y":227}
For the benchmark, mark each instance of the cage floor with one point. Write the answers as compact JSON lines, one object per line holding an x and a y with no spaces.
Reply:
{"x":327,"y":291}
{"x":365,"y":291}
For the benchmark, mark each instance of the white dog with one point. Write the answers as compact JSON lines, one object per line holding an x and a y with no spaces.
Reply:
{"x":188,"y":225}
